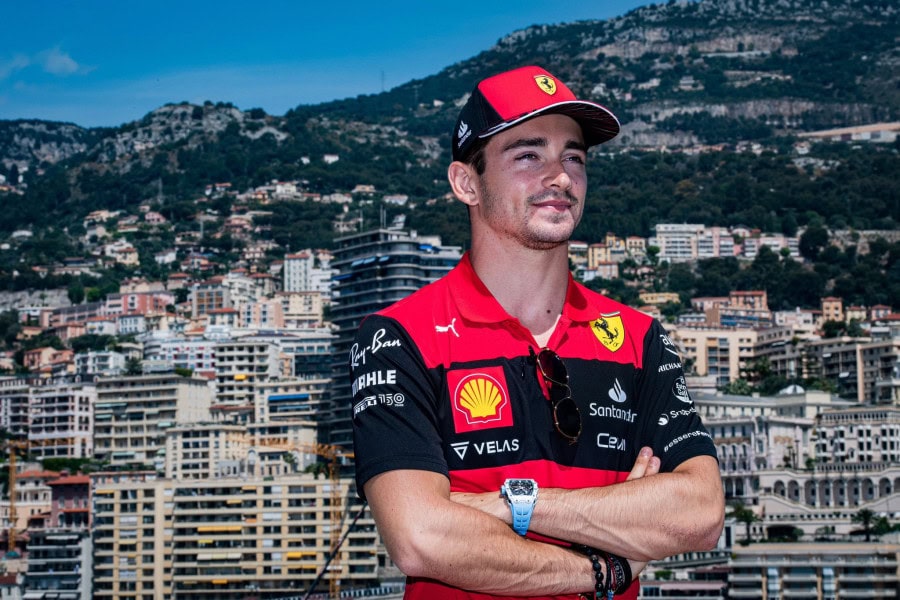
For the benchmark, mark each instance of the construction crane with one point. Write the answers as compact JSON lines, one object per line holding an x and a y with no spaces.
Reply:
{"x":335,"y":456}
{"x":11,"y":447}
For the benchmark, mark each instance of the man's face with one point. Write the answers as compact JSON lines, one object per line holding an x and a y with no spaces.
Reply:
{"x":534,"y":184}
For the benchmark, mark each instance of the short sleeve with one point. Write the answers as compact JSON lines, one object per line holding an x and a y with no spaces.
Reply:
{"x":394,"y":403}
{"x":672,"y":426}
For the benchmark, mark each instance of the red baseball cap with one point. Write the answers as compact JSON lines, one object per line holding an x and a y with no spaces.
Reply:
{"x":504,"y":100}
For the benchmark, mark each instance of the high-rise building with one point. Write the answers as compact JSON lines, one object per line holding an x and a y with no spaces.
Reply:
{"x":227,"y":537}
{"x":375,"y":269}
{"x":133,"y":413}
{"x":61,"y":419}
{"x":15,"y":394}
{"x":60,"y":555}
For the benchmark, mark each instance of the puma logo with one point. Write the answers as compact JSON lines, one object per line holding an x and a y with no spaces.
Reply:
{"x":446,"y":328}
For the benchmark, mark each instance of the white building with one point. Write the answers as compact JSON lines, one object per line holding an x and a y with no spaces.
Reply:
{"x":133,"y":413}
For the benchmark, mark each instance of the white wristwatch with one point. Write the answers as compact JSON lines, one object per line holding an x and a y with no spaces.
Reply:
{"x":521,"y":495}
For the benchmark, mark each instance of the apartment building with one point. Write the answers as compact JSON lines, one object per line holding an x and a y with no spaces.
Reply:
{"x":133,"y":412}
{"x":864,"y":369}
{"x":776,"y":242}
{"x":15,"y":402}
{"x":209,"y":295}
{"x":719,"y":352}
{"x":206,"y":451}
{"x":715,"y":242}
{"x":138,"y":302}
{"x":814,"y":571}
{"x":227,"y":537}
{"x":179,"y":352}
{"x":297,"y":271}
{"x":61,"y":418}
{"x":267,"y":313}
{"x":243,"y":362}
{"x":60,"y":563}
{"x":677,"y":242}
{"x":106,"y":363}
{"x":302,"y":309}
{"x":578,"y":254}
{"x":833,"y":309}
{"x":32,"y":497}
{"x":290,"y":398}
{"x":60,"y":555}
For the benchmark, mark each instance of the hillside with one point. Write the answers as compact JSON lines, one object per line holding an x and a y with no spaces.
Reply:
{"x":681,"y":76}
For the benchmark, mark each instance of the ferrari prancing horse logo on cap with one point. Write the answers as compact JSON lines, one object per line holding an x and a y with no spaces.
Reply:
{"x":546,"y":83}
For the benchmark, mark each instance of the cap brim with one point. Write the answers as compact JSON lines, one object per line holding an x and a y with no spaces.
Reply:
{"x":597,"y":123}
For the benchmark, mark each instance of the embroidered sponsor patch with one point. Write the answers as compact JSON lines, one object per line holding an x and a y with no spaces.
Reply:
{"x":610,"y":330}
{"x":480,"y":399}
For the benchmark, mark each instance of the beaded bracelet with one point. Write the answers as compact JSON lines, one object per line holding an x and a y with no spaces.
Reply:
{"x":597,"y":558}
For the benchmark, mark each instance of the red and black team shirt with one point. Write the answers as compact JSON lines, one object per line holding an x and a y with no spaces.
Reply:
{"x":445,"y":381}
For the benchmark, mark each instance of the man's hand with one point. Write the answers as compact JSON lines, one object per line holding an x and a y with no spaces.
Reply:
{"x":645,"y":465}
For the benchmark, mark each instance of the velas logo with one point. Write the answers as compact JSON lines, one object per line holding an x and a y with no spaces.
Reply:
{"x":480,"y":399}
{"x":546,"y":83}
{"x":610,"y":330}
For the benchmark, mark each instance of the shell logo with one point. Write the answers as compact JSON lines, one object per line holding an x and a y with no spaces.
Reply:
{"x":480,"y":396}
{"x":480,"y":399}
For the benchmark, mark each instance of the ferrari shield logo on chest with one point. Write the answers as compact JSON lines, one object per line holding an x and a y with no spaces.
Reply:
{"x":609,"y":331}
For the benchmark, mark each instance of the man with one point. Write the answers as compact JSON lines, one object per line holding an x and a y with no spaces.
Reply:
{"x":507,"y":374}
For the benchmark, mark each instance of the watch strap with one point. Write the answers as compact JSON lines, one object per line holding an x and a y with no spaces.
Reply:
{"x":521,"y":516}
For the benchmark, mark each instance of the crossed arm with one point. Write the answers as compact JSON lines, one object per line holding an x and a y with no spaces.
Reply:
{"x":432,"y":533}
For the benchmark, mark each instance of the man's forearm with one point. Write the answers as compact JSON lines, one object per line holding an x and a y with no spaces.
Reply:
{"x":642,"y":519}
{"x":429,"y":536}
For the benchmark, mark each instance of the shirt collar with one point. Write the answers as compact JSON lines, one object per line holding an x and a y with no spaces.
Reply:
{"x":476,"y":303}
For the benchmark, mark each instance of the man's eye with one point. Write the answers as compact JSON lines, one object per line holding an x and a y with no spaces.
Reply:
{"x":526,"y":156}
{"x":576,"y":158}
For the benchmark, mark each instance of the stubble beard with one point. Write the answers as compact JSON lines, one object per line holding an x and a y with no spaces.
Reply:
{"x":528,"y":235}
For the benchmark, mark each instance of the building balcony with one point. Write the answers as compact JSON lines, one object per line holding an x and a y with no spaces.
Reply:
{"x":884,"y":592}
{"x":800,"y":578}
{"x":846,"y":578}
{"x":746,"y":593}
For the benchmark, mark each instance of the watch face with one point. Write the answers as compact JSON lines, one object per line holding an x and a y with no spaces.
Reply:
{"x":520,"y":487}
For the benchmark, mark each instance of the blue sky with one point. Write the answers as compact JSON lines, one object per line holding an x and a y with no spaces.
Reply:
{"x":108,"y":62}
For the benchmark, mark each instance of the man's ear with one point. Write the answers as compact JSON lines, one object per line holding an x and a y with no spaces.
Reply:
{"x":464,"y":182}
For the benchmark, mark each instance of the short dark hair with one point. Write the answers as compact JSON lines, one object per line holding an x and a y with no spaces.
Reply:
{"x":475,"y":157}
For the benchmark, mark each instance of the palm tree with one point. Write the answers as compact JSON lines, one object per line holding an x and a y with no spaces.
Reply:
{"x":866,"y":518}
{"x":744,"y":514}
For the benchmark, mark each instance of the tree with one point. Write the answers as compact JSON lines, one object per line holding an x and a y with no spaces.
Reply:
{"x":832,"y":329}
{"x":76,"y":292}
{"x":738,"y":387}
{"x":316,"y":468}
{"x":866,"y":518}
{"x":813,"y":240}
{"x":133,"y":366}
{"x":744,"y":514}
{"x":882,"y":526}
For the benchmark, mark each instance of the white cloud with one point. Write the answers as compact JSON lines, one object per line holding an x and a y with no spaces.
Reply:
{"x":57,"y":62}
{"x":10,"y":66}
